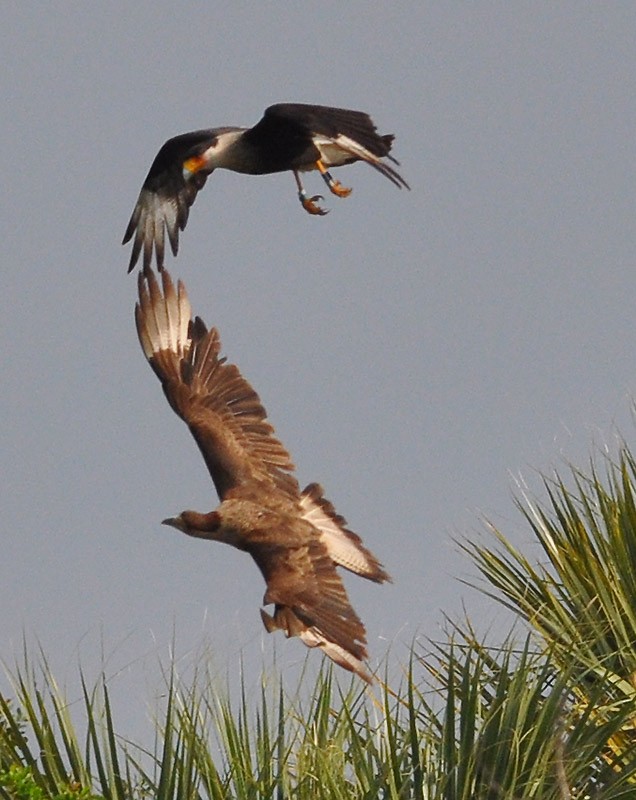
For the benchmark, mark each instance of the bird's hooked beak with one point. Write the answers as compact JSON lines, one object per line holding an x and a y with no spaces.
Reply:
{"x":175,"y":522}
{"x":201,"y":526}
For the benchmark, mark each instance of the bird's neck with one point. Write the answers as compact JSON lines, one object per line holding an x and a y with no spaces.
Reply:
{"x":214,"y":526}
{"x":235,"y":153}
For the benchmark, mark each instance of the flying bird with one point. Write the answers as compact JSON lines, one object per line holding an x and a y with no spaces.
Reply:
{"x":290,"y":136}
{"x":295,"y":537}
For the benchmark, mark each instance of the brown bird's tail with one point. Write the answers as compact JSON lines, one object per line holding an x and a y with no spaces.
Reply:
{"x":286,"y":620}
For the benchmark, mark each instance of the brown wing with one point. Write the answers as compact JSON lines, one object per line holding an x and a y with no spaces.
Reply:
{"x":165,"y":198}
{"x":311,"y":601}
{"x":344,"y":546}
{"x":222,"y":410}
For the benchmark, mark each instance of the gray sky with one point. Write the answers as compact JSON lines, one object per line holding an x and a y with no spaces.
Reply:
{"x":413,"y":349}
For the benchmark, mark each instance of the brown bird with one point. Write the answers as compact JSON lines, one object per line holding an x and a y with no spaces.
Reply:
{"x":296,"y":538}
{"x":290,"y":136}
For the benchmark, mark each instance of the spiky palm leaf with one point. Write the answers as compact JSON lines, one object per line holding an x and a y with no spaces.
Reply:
{"x":582,"y":599}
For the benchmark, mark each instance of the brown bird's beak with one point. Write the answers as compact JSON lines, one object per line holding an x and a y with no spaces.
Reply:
{"x":174,"y":522}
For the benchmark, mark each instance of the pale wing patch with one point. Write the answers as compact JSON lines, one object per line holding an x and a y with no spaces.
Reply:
{"x":163,"y":320}
{"x":340,"y":548}
{"x":162,"y":208}
{"x":345,"y":548}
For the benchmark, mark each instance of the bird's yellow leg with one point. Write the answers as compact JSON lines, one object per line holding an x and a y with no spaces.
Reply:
{"x":309,"y":203}
{"x":335,"y":187}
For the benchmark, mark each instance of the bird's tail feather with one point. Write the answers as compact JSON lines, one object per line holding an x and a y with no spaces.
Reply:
{"x":286,"y":620}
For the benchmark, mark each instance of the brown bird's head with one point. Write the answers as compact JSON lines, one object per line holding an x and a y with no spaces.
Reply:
{"x":201,"y":526}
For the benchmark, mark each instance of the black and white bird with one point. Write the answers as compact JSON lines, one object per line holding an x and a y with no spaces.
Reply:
{"x":290,"y":136}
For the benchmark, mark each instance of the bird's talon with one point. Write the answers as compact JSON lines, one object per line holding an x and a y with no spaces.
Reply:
{"x":339,"y":190}
{"x":311,"y":206}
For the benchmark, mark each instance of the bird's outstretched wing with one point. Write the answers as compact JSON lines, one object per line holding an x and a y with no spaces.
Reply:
{"x":344,"y":546}
{"x":311,"y":602}
{"x":220,"y":407}
{"x":353,"y":133}
{"x":164,"y":202}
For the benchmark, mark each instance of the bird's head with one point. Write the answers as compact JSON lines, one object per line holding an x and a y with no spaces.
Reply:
{"x":201,"y":526}
{"x":175,"y":522}
{"x":195,"y":164}
{"x":214,"y":152}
